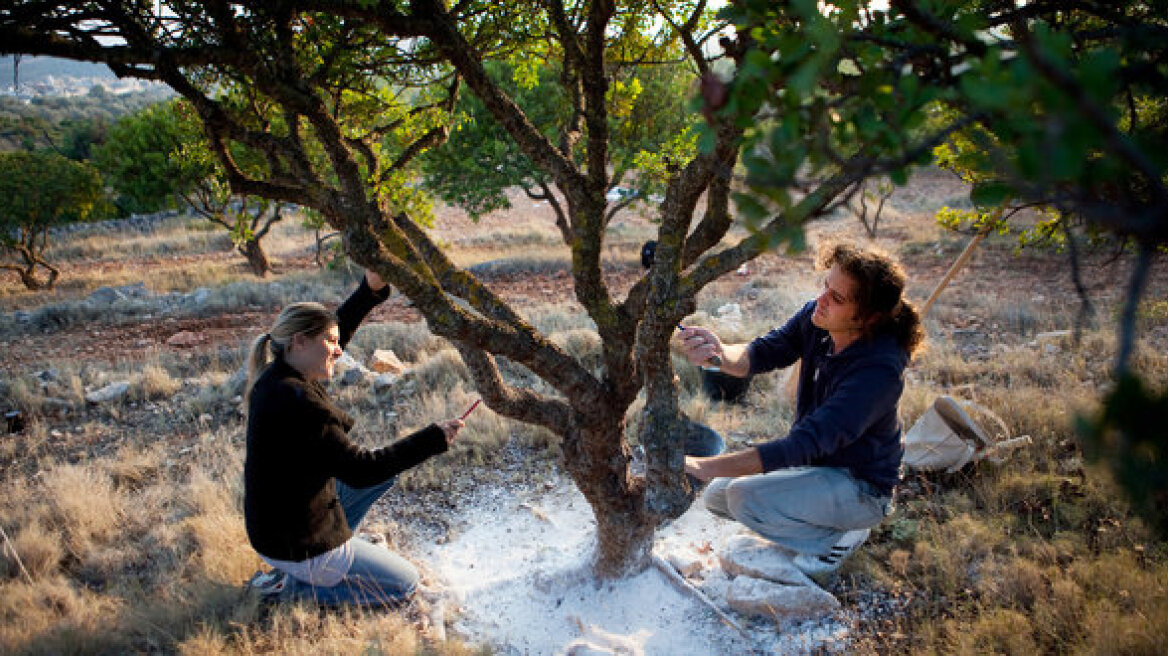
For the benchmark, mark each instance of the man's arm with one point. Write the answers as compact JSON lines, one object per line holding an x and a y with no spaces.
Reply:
{"x":700,"y":345}
{"x":727,"y":465}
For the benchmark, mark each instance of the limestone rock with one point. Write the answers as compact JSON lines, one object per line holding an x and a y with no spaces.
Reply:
{"x":354,"y":376}
{"x":112,"y":392}
{"x":185,"y":339}
{"x":107,"y":295}
{"x":751,"y":596}
{"x":386,"y":361}
{"x":686,"y":564}
{"x":384,"y":382}
{"x":752,"y":556}
{"x":598,"y":642}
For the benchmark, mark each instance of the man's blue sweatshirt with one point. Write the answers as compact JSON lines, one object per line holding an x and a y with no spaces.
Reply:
{"x":846,"y":414}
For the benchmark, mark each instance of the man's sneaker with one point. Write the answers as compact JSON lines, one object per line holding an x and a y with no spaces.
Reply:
{"x":812,"y":565}
{"x":268,"y":584}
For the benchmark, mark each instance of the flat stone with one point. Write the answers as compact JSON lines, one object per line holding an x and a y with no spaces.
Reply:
{"x":185,"y":339}
{"x":353,"y":376}
{"x":1052,"y":335}
{"x":384,"y":381}
{"x":386,"y":361}
{"x":111,"y":392}
{"x":750,"y":555}
{"x":685,"y":564}
{"x":761,"y":598}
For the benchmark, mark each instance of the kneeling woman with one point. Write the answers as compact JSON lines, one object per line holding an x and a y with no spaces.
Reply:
{"x":306,"y":486}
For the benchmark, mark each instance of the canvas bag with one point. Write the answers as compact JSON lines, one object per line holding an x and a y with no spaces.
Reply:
{"x":946,"y":437}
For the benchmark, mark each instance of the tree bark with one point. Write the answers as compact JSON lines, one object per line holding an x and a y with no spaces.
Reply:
{"x":597,"y":456}
{"x":257,"y":259}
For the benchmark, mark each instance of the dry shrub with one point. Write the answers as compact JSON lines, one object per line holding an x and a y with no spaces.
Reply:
{"x":551,"y":319}
{"x":534,"y":262}
{"x":409,"y":341}
{"x":441,"y":373}
{"x":55,"y":616}
{"x":996,"y":631}
{"x":133,"y":468}
{"x":34,"y":547}
{"x":86,"y":508}
{"x":155,"y":382}
{"x":214,"y":545}
{"x":507,"y":239}
{"x":582,"y":344}
{"x":301,"y":630}
{"x":24,"y":394}
{"x":946,"y":556}
{"x":1059,"y":618}
{"x":166,"y":238}
{"x":1014,"y":583}
{"x":206,"y":641}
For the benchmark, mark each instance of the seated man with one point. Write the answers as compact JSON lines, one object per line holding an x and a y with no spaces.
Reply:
{"x":819,"y":490}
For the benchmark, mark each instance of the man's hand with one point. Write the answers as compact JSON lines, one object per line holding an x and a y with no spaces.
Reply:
{"x":693,"y":467}
{"x":726,"y":465}
{"x":450,"y":428}
{"x":701,"y":346}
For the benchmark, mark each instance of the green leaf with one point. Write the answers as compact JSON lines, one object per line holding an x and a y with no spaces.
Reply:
{"x":986,"y":195}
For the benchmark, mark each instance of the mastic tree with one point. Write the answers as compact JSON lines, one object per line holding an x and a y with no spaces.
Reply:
{"x":40,"y":191}
{"x":1052,"y":105}
{"x":338,"y":98}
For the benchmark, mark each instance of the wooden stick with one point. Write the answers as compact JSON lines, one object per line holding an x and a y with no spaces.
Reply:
{"x":8,"y":543}
{"x":688,"y":588}
{"x":961,"y":259}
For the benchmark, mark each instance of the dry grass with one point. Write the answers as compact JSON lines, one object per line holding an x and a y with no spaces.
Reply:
{"x":128,"y":518}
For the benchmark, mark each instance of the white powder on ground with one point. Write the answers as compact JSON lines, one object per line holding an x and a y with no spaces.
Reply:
{"x":516,"y":569}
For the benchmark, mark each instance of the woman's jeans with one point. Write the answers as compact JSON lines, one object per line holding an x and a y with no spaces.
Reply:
{"x":377,"y":577}
{"x":803,"y":509}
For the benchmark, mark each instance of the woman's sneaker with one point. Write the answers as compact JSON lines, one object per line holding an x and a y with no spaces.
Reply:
{"x":268,"y":584}
{"x":830,"y":561}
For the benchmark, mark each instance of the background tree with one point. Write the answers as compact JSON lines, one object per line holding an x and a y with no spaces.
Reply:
{"x":338,"y":99}
{"x":1052,"y":105}
{"x":650,"y":119}
{"x":41,"y":190}
{"x":71,"y":125}
{"x":158,"y":158}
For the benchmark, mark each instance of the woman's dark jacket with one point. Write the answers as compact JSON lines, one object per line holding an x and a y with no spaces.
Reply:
{"x":297,"y":448}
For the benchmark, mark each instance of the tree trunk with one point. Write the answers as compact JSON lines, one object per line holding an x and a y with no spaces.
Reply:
{"x":29,"y":280}
{"x":256,"y":258}
{"x":597,"y":457}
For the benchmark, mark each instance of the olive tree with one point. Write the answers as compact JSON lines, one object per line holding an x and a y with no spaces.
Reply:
{"x":158,"y":158}
{"x":40,"y":191}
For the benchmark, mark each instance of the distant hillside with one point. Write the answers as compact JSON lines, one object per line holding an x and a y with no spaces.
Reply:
{"x":36,"y":69}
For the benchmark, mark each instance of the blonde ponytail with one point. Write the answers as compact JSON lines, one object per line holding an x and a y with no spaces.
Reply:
{"x":256,"y":361}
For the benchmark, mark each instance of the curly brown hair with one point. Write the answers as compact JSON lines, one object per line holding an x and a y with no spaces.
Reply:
{"x":880,"y":283}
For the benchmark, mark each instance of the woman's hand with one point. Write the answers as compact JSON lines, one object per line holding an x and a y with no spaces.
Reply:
{"x":450,"y":428}
{"x":373,"y":280}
